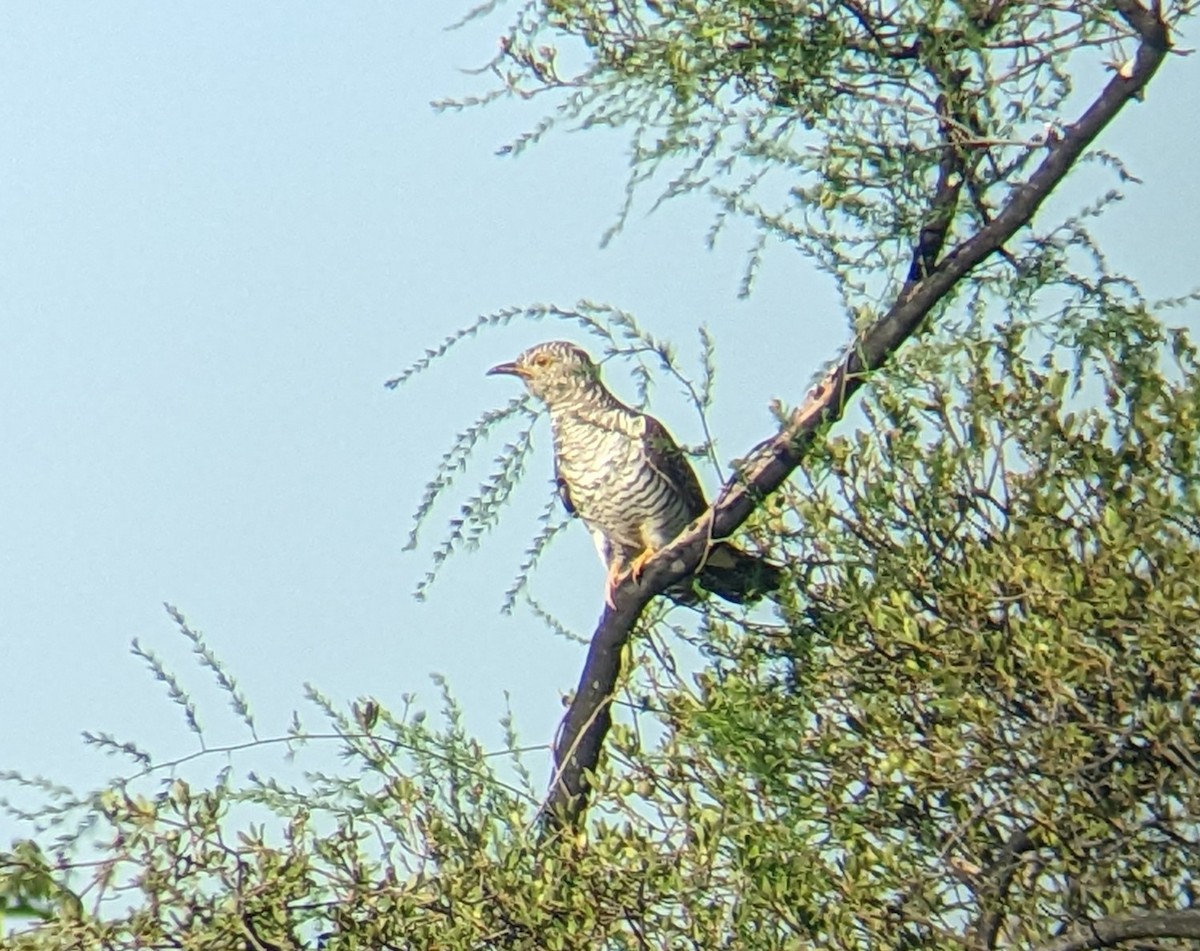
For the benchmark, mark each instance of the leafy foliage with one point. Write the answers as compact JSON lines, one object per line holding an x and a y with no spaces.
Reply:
{"x":842,"y":128}
{"x":972,"y":722}
{"x":979,"y":718}
{"x":983,"y":713}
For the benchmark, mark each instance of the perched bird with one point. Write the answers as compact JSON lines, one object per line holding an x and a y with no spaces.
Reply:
{"x":620,"y":471}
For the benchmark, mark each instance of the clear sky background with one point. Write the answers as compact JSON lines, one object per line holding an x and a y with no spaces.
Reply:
{"x":222,"y":227}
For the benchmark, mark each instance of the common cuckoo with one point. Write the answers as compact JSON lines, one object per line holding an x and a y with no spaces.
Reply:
{"x":621,"y":472}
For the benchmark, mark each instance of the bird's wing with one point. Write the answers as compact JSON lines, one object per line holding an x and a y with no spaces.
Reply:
{"x":668,"y":460}
{"x":564,"y":491}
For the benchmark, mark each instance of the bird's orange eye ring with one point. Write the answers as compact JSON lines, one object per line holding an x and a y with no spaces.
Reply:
{"x":541,"y":360}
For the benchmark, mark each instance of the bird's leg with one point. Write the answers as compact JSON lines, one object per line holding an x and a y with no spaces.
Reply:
{"x":611,"y":581}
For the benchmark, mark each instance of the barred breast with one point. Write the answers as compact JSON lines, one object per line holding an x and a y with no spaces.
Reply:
{"x":614,"y":485}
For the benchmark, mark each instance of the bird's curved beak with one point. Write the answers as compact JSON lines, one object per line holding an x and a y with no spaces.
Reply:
{"x":511,"y":369}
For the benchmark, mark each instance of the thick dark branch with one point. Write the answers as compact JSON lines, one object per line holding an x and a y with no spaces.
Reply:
{"x":1000,"y":879}
{"x":1115,"y":930}
{"x":581,"y":738}
{"x":945,"y":200}
{"x":956,"y":120}
{"x":1145,"y":21}
{"x":581,"y":735}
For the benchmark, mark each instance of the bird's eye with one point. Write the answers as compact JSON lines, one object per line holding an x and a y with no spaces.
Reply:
{"x":541,"y":360}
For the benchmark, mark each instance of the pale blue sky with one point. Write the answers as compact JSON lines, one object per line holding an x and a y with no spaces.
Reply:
{"x":222,"y":227}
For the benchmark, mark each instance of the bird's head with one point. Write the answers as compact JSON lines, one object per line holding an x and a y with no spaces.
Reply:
{"x":555,"y":372}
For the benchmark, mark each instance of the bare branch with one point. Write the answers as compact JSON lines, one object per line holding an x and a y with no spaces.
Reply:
{"x":1109,"y":932}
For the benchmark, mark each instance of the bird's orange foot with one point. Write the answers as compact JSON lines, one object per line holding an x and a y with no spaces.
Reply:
{"x":638,"y":565}
{"x":616,"y":575}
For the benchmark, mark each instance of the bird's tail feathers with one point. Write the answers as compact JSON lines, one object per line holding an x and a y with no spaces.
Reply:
{"x":738,"y":576}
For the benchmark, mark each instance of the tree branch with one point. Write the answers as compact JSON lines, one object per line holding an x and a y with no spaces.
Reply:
{"x":1000,"y":879}
{"x":581,"y":737}
{"x":1114,"y":930}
